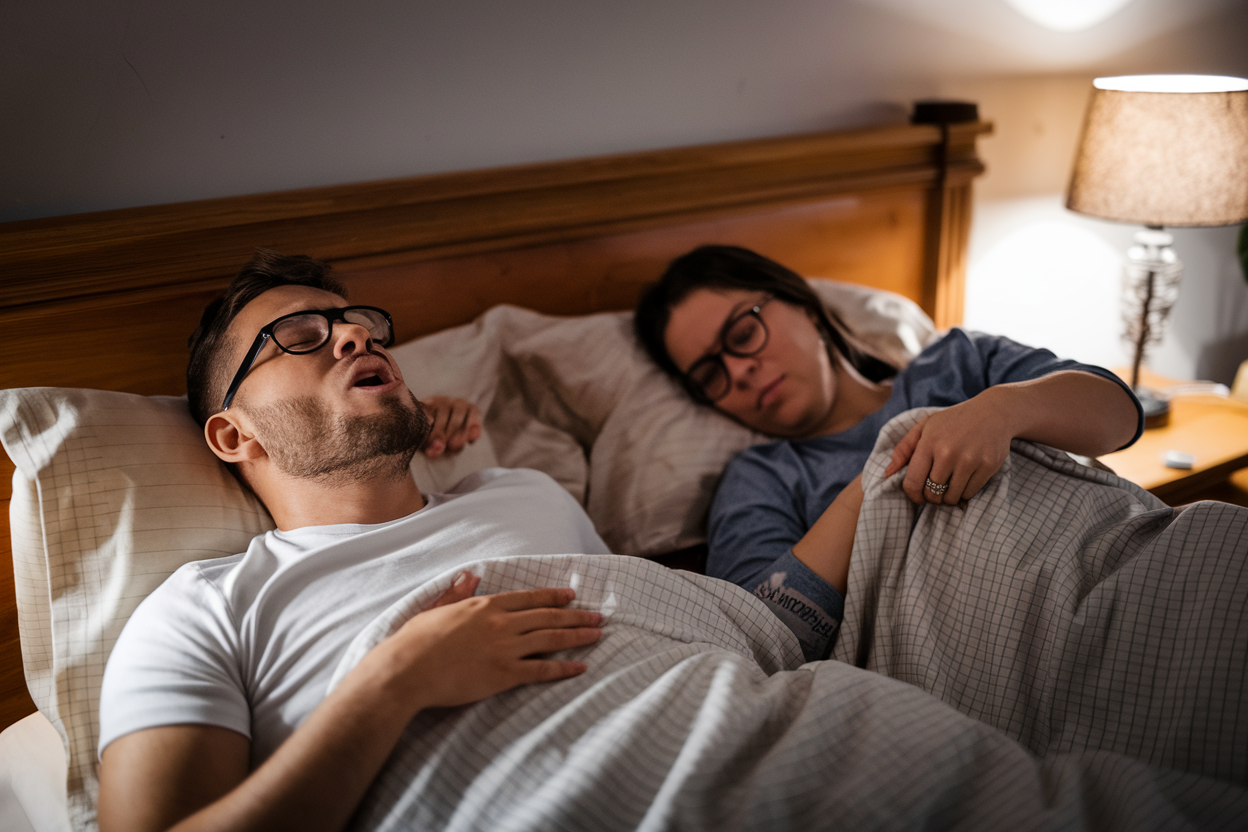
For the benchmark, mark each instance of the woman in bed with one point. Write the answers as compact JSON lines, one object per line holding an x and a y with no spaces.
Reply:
{"x":749,"y":337}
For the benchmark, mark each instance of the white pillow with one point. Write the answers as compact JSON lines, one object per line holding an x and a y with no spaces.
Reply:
{"x":112,"y":493}
{"x":655,"y":463}
{"x":578,"y":398}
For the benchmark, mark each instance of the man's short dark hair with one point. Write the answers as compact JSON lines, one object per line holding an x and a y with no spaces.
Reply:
{"x":207,"y":373}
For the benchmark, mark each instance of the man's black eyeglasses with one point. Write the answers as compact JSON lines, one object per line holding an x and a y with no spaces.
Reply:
{"x":300,"y":333}
{"x":743,"y":335}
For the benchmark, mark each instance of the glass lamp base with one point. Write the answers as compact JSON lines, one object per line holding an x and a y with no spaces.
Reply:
{"x":1156,"y":408}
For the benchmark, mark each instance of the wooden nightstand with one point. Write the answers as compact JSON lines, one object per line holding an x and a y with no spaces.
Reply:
{"x":1211,"y":428}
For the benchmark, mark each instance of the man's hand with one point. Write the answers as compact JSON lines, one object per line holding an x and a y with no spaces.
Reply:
{"x":455,"y":423}
{"x":465,"y":648}
{"x":460,"y":650}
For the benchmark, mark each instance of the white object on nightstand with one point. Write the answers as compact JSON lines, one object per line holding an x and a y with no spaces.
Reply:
{"x":1180,"y":460}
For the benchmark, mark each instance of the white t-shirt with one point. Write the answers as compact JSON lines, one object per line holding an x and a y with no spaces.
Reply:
{"x":249,"y":642}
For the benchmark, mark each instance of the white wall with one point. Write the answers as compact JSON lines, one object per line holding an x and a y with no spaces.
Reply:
{"x":114,"y":103}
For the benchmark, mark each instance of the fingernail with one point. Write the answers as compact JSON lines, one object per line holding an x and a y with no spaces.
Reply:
{"x":463,"y":576}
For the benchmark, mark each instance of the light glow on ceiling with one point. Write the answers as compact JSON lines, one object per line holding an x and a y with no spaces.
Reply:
{"x":1067,"y":15}
{"x":1172,"y":83}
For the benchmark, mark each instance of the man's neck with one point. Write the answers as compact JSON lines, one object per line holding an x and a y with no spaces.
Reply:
{"x":295,"y":503}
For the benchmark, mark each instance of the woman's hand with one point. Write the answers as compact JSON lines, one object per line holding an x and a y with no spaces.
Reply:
{"x":455,"y":423}
{"x":465,"y":648}
{"x":961,"y":446}
{"x":964,"y":445}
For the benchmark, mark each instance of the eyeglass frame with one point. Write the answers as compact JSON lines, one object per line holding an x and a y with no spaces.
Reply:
{"x":332,"y":316}
{"x":696,"y":390}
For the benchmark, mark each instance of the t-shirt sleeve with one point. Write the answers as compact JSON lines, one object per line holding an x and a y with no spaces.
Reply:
{"x":974,"y":361}
{"x":754,"y":523}
{"x":175,"y":663}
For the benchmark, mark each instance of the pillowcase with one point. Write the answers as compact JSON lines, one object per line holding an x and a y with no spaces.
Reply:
{"x":112,"y":493}
{"x":579,"y":399}
{"x":658,"y":457}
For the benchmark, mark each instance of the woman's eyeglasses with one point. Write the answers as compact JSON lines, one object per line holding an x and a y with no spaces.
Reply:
{"x":300,"y":333}
{"x":743,"y":335}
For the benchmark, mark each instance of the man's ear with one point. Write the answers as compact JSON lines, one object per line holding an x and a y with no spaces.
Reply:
{"x":231,"y":438}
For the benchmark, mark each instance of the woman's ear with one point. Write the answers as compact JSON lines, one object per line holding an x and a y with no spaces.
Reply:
{"x":231,"y":439}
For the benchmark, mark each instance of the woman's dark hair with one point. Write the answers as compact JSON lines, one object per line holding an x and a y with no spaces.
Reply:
{"x":732,"y":267}
{"x":207,"y":375}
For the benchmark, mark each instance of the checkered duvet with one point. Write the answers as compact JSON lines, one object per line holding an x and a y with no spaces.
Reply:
{"x":1065,"y":653}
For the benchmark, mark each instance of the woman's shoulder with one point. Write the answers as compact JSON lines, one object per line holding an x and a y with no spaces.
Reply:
{"x":789,"y":464}
{"x":966,"y":349}
{"x":768,"y":458}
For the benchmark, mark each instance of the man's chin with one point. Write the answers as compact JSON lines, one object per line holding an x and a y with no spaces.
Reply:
{"x":306,"y":441}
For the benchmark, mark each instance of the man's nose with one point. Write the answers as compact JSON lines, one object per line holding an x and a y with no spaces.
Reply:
{"x":350,"y":338}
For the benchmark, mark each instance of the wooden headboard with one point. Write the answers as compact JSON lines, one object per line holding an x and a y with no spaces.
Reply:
{"x":107,"y":299}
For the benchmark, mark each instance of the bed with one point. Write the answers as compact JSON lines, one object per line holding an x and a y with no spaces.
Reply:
{"x":511,"y":288}
{"x":886,"y":208}
{"x":105,"y":301}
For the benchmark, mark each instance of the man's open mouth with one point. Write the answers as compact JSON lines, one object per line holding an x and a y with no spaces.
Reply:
{"x":369,"y":381}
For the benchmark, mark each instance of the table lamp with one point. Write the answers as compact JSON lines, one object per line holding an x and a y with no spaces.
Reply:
{"x":1161,"y":150}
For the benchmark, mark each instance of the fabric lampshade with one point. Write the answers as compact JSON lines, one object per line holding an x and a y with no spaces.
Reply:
{"x":1164,"y":150}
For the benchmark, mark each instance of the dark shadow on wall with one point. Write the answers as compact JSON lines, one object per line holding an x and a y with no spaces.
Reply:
{"x":870,"y":114}
{"x":1219,"y":360}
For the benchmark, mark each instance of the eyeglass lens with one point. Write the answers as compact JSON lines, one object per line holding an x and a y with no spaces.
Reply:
{"x":305,"y":333}
{"x":744,"y":337}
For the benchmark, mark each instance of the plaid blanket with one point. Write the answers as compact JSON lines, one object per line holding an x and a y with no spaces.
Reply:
{"x":1095,"y":680}
{"x":1065,"y":606}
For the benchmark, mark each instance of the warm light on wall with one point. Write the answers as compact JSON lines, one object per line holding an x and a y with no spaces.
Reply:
{"x":1067,"y":15}
{"x":1049,"y":282}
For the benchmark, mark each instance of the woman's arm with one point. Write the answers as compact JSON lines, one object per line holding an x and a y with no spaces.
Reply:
{"x":827,"y":546}
{"x":465,"y":649}
{"x":964,"y":445}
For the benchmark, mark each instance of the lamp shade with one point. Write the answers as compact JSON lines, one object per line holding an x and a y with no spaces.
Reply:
{"x":1164,"y":150}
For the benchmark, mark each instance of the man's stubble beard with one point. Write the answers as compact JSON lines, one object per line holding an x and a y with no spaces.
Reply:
{"x":306,"y":441}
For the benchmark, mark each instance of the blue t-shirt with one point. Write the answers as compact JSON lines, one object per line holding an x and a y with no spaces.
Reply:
{"x":772,"y":494}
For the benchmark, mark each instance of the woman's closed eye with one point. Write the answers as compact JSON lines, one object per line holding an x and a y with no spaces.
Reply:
{"x":743,"y":334}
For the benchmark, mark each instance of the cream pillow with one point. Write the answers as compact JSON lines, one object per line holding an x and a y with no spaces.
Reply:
{"x":112,"y":493}
{"x":577,"y":398}
{"x":658,"y":457}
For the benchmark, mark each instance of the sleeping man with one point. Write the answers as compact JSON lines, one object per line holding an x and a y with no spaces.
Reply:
{"x":313,"y":681}
{"x":212,"y":710}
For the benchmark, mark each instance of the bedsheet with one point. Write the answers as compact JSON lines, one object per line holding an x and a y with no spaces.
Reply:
{"x":697,"y":712}
{"x":1064,"y":606}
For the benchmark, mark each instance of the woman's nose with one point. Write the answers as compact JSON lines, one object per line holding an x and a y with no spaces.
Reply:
{"x":740,"y":370}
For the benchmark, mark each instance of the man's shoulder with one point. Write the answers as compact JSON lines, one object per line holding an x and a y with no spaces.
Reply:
{"x":498,"y":478}
{"x":195,"y":583}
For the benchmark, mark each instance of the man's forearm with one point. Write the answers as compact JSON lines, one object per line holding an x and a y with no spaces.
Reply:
{"x":317,"y":778}
{"x":1072,"y":410}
